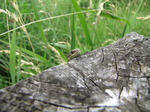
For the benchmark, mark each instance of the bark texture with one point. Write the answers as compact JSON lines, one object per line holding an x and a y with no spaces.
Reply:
{"x":115,"y":78}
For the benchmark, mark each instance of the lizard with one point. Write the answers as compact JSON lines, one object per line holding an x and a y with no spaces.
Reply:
{"x":74,"y":53}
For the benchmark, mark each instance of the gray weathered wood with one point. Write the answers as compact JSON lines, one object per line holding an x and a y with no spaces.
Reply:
{"x":109,"y":79}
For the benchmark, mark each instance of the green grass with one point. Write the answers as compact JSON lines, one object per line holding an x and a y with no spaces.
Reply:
{"x":36,"y":35}
{"x":83,"y":24}
{"x":12,"y":56}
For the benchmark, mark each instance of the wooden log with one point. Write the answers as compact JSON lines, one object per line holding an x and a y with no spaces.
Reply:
{"x":115,"y":78}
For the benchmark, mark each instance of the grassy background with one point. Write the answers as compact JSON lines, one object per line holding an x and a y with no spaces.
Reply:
{"x":30,"y":49}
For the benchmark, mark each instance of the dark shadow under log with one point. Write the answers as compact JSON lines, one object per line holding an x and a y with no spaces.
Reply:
{"x":115,"y":78}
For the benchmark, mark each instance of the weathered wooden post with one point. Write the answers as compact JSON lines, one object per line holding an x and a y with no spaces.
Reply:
{"x":115,"y":78}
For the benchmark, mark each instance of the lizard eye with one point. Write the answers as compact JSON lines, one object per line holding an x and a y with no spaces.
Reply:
{"x":72,"y":52}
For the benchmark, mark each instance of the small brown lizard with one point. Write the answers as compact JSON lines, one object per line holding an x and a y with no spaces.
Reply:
{"x":74,"y":53}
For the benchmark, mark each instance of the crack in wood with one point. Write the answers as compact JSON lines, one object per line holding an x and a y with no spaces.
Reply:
{"x":103,"y":55}
{"x":80,"y":72}
{"x":75,"y":108}
{"x":125,"y":76}
{"x":100,"y":88}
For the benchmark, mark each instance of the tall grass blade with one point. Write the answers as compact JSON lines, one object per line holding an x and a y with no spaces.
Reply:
{"x":124,"y":30}
{"x":133,"y":19}
{"x":83,"y":23}
{"x":108,"y":15}
{"x":40,"y":27}
{"x":45,"y":19}
{"x":73,"y":37}
{"x":19,"y":63}
{"x":59,"y":45}
{"x":12,"y":61}
{"x":40,"y":58}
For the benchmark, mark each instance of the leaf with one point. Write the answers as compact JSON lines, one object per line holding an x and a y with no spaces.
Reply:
{"x":63,"y":46}
{"x":40,"y":58}
{"x":12,"y":61}
{"x":83,"y":23}
{"x":108,"y":15}
{"x":73,"y":37}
